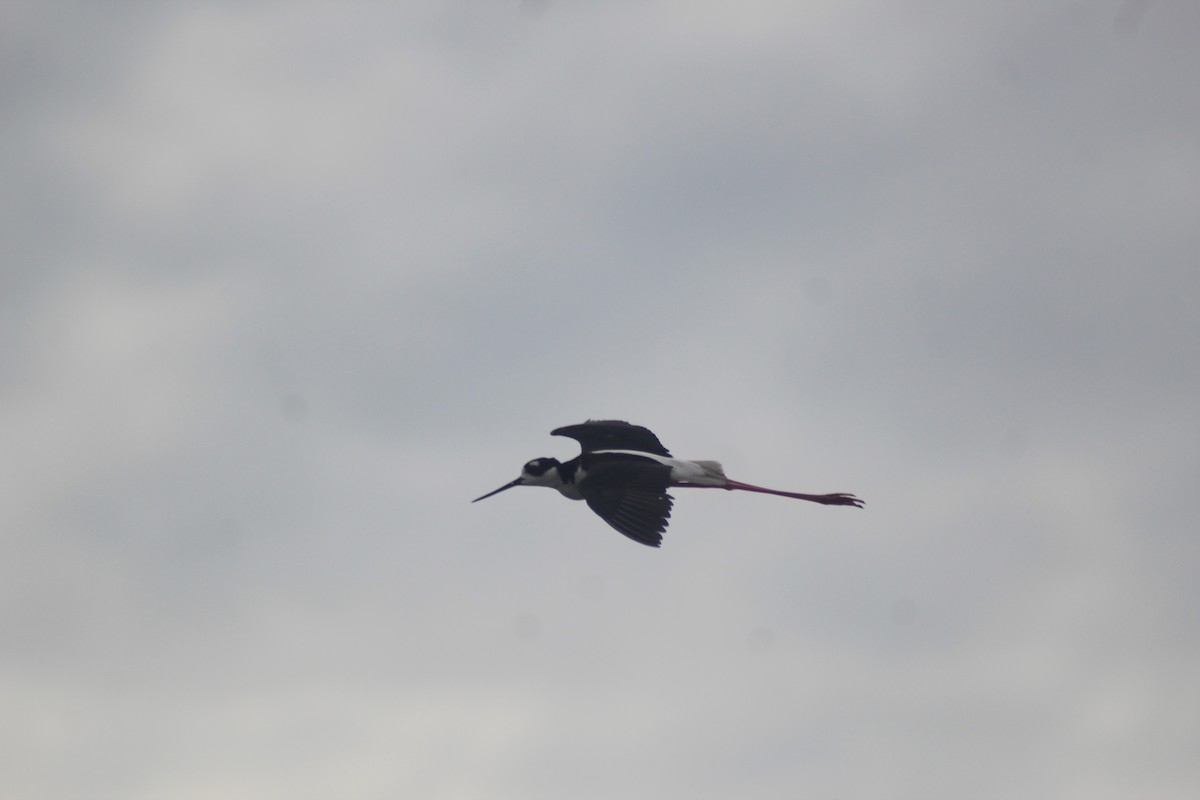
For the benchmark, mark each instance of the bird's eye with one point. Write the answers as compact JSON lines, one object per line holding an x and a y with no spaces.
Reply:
{"x":539,"y":466}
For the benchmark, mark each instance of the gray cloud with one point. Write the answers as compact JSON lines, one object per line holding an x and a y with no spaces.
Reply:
{"x":285,"y":288}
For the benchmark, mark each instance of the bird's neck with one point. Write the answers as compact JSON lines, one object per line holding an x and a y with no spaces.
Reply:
{"x":569,"y":475}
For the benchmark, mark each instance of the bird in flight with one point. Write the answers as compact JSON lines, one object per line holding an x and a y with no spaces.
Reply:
{"x":624,"y":472}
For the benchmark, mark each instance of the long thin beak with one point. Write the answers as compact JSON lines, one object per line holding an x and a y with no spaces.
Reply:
{"x":517,"y":482}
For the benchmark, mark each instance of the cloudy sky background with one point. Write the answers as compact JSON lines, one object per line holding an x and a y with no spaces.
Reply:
{"x":285,"y":285}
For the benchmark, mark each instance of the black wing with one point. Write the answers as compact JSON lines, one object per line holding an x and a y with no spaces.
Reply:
{"x":631,"y":497}
{"x":612,"y":434}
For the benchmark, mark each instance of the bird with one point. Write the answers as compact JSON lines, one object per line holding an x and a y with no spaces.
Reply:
{"x":623,"y":473}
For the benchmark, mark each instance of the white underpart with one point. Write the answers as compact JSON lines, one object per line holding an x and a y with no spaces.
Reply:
{"x":697,"y":473}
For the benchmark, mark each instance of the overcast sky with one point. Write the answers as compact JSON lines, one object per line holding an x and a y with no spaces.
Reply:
{"x":284,"y":285}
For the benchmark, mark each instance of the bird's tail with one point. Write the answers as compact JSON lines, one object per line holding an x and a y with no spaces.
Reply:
{"x":712,"y":469}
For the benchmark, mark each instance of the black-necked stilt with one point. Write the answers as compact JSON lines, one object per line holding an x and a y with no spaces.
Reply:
{"x":623,"y":473}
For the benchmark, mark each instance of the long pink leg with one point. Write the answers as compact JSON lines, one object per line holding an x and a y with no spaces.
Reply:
{"x":838,"y":499}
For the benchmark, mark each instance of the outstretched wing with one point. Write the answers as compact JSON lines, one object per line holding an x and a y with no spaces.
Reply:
{"x":612,"y":434}
{"x":631,"y":498}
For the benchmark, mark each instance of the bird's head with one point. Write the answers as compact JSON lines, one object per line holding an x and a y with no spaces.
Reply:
{"x":538,"y":472}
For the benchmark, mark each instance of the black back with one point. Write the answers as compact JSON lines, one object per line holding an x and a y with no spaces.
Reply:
{"x":612,"y":434}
